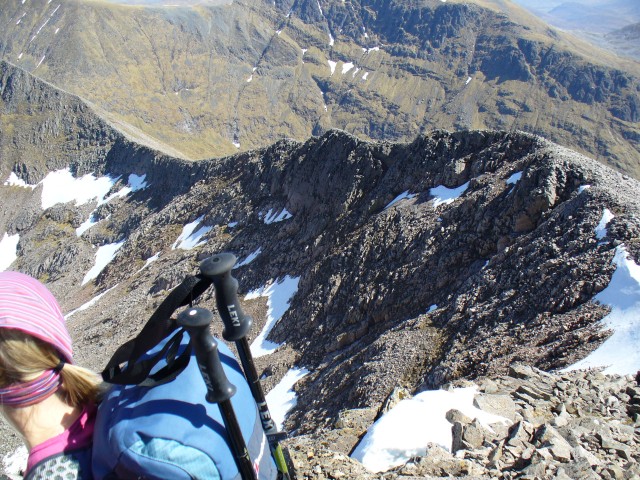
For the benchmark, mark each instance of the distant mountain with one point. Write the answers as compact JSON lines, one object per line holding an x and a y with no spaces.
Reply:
{"x":202,"y":81}
{"x":580,"y":14}
{"x":171,"y":3}
{"x":597,"y":21}
{"x":597,"y":17}
{"x":626,"y":40}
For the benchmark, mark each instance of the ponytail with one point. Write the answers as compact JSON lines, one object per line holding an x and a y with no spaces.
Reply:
{"x":23,"y":357}
{"x":80,"y":385}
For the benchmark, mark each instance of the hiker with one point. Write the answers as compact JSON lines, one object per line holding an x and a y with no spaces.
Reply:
{"x":49,"y":401}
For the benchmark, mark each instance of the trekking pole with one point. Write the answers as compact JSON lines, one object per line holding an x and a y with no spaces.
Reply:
{"x":219,"y":390}
{"x":236,"y":325}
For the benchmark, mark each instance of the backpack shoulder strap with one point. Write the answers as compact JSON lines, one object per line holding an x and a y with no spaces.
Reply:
{"x":160,"y":325}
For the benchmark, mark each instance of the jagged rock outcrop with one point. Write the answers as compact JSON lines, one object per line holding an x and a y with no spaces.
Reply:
{"x":500,"y":257}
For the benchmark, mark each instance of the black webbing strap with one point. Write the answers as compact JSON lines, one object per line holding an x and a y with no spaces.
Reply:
{"x":139,"y":373}
{"x":159,"y":326}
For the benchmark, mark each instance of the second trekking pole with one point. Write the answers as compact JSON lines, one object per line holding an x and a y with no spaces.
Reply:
{"x":219,"y":390}
{"x":236,"y":326}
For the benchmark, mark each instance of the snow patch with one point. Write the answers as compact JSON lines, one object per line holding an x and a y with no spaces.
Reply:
{"x":332,"y":66}
{"x":404,"y":431}
{"x":137,"y":182}
{"x":62,"y":187}
{"x":619,"y":354}
{"x":104,"y":255}
{"x":446,"y":195}
{"x":88,"y":304}
{"x":42,"y":26}
{"x":601,"y":229}
{"x":282,"y":398}
{"x":250,"y":258}
{"x":346,"y":67}
{"x":366,"y":74}
{"x":15,"y":181}
{"x":273,"y":217}
{"x":149,"y":261}
{"x":404,"y":195}
{"x":8,"y":250}
{"x":468,"y":80}
{"x":86,"y":225}
{"x":515,"y":178}
{"x":190,"y":237}
{"x":582,"y":188}
{"x":279,"y":295}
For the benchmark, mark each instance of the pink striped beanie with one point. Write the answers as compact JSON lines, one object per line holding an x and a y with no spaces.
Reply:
{"x":27,"y":305}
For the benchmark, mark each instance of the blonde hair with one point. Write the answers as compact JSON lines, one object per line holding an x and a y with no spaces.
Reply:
{"x":23,"y":358}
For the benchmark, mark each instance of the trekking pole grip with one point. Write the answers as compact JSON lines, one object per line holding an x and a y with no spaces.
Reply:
{"x":219,"y":390}
{"x":218,"y":269}
{"x":196,"y":321}
{"x":237,"y":324}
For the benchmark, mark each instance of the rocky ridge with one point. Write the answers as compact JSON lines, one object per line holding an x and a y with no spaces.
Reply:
{"x":396,"y":286}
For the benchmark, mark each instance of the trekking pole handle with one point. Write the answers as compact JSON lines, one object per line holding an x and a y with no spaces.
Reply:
{"x":196,"y":321}
{"x":237,"y":324}
{"x":218,"y":269}
{"x":219,"y":390}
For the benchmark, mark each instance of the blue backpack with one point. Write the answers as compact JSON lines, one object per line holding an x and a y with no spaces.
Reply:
{"x":168,"y":431}
{"x":154,"y":423}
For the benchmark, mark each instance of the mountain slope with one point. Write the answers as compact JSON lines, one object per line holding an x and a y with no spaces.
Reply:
{"x":607,"y":24}
{"x":408,"y":265}
{"x":208,"y":80}
{"x":626,"y":40}
{"x":602,"y":17}
{"x":492,"y":235}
